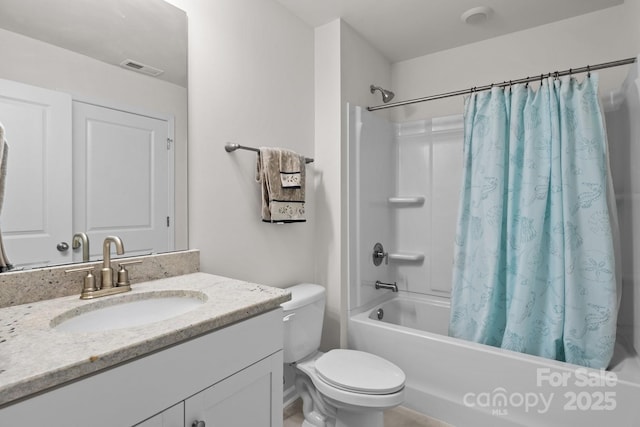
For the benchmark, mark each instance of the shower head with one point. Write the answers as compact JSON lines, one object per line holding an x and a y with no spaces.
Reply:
{"x":387,"y":95}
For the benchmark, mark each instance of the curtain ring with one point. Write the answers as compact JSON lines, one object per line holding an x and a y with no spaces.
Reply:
{"x":526,"y":84}
{"x":588,"y":70}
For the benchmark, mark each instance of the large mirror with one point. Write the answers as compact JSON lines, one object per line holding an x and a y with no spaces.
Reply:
{"x":89,"y":92}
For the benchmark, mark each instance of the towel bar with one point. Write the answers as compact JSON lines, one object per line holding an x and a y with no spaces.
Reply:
{"x":230,"y":147}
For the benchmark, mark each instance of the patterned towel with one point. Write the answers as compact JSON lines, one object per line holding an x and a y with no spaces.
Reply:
{"x":290,"y":166}
{"x":281,"y":174}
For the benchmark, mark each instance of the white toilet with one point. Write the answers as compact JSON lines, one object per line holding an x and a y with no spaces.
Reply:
{"x":340,"y":388}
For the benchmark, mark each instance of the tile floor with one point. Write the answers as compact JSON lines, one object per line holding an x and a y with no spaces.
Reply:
{"x":396,"y":417}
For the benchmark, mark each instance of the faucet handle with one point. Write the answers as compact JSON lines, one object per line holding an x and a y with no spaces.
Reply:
{"x":379,"y":254}
{"x":89,"y":281}
{"x":123,"y":273}
{"x":125,"y":263}
{"x":73,"y":270}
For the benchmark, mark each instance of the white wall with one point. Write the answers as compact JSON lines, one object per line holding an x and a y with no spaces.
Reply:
{"x":328,"y":181}
{"x":361,"y":66}
{"x":250,"y":82}
{"x":602,"y":36}
{"x":37,"y":63}
{"x":346,"y":65}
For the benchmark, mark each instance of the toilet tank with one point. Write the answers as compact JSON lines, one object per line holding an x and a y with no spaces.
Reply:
{"x":303,"y":316}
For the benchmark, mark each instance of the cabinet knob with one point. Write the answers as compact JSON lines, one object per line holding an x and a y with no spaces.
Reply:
{"x":198,"y":424}
{"x":62,"y":246}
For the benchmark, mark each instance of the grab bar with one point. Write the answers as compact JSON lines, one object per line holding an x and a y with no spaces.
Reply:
{"x":391,"y":286}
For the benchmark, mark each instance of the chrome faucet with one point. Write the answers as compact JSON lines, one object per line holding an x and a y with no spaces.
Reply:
{"x":107,"y":271}
{"x":393,"y":287}
{"x":81,"y":239}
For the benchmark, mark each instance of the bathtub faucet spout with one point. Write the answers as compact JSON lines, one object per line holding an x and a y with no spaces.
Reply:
{"x":391,"y":286}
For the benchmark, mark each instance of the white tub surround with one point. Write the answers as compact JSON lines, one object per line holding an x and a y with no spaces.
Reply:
{"x":35,"y":358}
{"x":408,"y":205}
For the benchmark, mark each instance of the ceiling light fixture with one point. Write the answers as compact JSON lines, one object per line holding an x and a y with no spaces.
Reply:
{"x":476,"y":15}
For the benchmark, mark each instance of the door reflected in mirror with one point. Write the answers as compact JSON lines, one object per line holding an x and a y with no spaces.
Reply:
{"x":114,"y":180}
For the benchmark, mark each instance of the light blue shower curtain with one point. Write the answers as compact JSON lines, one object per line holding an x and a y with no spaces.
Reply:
{"x":534,"y":266}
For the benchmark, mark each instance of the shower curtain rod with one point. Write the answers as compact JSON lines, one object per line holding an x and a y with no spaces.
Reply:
{"x":585,"y":69}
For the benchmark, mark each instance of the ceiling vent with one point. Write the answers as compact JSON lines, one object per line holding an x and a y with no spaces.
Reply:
{"x":141,"y":68}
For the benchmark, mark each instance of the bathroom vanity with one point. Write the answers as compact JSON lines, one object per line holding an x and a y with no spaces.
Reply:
{"x":217,"y":364}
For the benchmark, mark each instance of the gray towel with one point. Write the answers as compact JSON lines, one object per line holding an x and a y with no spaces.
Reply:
{"x":4,"y":154}
{"x":281,"y":174}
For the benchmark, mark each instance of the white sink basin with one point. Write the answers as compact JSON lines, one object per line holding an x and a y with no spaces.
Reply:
{"x":128,"y":311}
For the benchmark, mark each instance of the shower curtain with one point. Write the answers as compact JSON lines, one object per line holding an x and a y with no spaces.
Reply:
{"x":534,"y":268}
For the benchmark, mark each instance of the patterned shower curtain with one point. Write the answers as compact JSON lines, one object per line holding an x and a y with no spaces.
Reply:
{"x":534,"y":268}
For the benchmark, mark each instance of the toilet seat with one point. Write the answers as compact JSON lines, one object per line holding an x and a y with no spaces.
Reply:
{"x":359,"y":372}
{"x":339,"y":396}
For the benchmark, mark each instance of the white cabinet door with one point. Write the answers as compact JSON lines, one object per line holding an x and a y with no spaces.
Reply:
{"x":123,"y":179}
{"x":251,"y":397}
{"x":172,"y":417}
{"x":36,"y":214}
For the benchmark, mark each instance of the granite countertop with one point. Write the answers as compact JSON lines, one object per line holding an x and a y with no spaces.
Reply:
{"x":35,"y":357}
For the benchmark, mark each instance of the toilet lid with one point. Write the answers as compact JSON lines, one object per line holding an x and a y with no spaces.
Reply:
{"x":359,"y":372}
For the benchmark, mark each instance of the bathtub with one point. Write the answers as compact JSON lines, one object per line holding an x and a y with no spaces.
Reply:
{"x":470,"y":384}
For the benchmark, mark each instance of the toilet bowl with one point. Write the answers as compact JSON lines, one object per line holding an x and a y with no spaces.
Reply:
{"x":339,"y":388}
